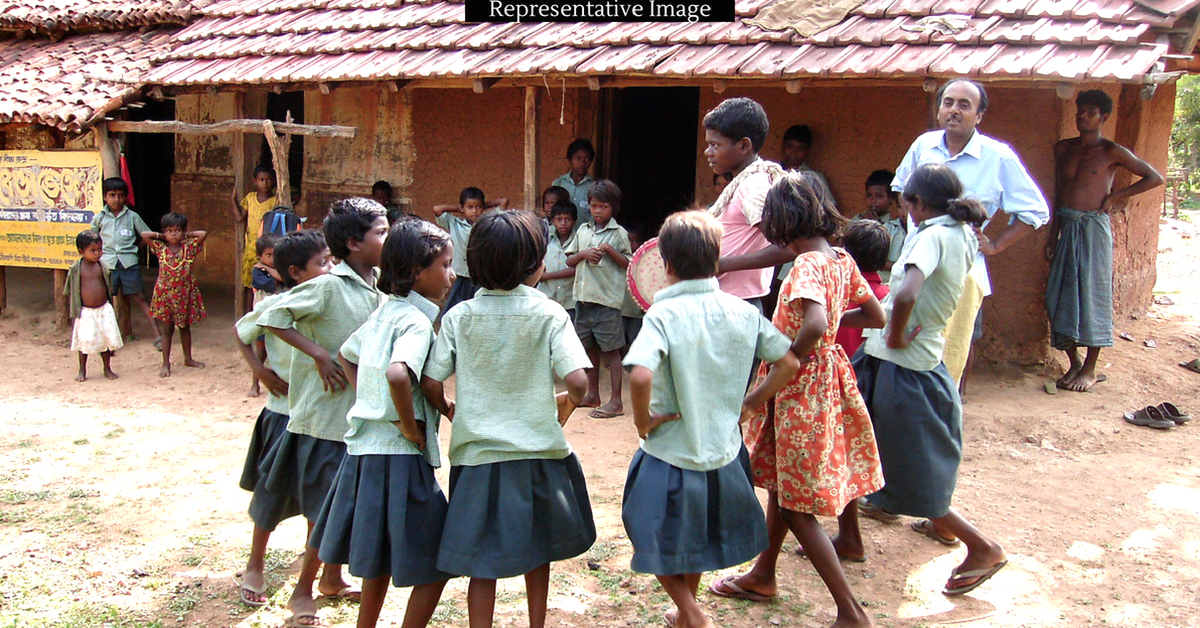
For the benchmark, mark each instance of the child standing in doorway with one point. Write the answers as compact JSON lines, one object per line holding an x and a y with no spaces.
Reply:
{"x":251,"y":210}
{"x":95,"y":329}
{"x":177,"y":301}
{"x":576,"y":181}
{"x":600,"y":255}
{"x":120,"y":228}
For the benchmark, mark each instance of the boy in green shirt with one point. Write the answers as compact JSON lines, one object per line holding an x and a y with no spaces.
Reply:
{"x":120,"y":230}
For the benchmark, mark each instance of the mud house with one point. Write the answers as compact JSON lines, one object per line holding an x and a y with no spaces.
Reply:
{"x":439,"y":104}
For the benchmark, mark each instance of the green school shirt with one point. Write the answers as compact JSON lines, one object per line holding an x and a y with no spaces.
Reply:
{"x":400,"y":331}
{"x":559,"y":290}
{"x":326,"y":310}
{"x":579,"y":195}
{"x":459,"y":229}
{"x":701,"y":344}
{"x":279,"y":353}
{"x":120,"y":235}
{"x":944,"y":251}
{"x":506,"y":348}
{"x":602,"y":283}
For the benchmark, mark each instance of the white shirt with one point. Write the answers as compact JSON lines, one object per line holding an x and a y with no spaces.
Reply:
{"x":991,"y":173}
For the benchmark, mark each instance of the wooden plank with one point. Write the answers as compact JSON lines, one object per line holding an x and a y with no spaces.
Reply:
{"x":62,"y":309}
{"x":240,"y":125}
{"x":279,"y":157}
{"x":110,"y":160}
{"x":532,"y":141}
{"x":239,"y":188}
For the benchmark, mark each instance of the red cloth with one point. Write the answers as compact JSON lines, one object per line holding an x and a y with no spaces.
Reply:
{"x":129,"y":200}
{"x":851,"y":338}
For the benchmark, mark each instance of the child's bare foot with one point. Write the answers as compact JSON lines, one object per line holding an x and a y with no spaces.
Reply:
{"x":1065,"y":381}
{"x":82,"y":376}
{"x":193,"y":363}
{"x":165,"y":371}
{"x":845,"y":549}
{"x":609,"y":410}
{"x":1084,"y":381}
{"x":589,"y":401}
{"x":859,"y":620}
{"x":254,"y":390}
{"x":110,"y":374}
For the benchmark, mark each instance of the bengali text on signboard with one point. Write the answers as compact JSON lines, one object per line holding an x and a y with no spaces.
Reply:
{"x":46,"y":198}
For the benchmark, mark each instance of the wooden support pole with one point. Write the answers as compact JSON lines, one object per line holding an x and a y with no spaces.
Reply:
{"x":532,"y":152}
{"x":239,"y":226}
{"x":110,"y":160}
{"x":279,"y":156}
{"x":62,"y":309}
{"x":240,"y":125}
{"x":3,"y":291}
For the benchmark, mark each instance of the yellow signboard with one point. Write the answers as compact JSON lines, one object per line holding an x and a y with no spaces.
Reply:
{"x":46,"y":199}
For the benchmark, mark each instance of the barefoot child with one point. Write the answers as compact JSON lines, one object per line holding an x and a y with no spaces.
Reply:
{"x":518,"y":500}
{"x":813,"y":449}
{"x":457,"y":220}
{"x":120,"y":228}
{"x":558,"y":279}
{"x":689,"y":506}
{"x":177,"y":301}
{"x":576,"y":180}
{"x":383,"y":518}
{"x":316,"y":318}
{"x":267,"y":282}
{"x":302,"y":255}
{"x":250,"y":211}
{"x":95,"y":328}
{"x":912,"y":399}
{"x":600,"y":255}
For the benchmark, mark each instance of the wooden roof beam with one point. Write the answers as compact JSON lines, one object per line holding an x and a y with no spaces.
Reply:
{"x":228,"y":126}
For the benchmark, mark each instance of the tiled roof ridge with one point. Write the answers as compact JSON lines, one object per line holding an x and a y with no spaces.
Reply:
{"x":58,"y":18}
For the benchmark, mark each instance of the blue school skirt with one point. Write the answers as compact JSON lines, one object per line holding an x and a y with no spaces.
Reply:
{"x":509,"y":518}
{"x":383,"y":517}
{"x":267,"y":508}
{"x":462,"y":290}
{"x":304,"y":466}
{"x":917,"y":416}
{"x":683,"y":522}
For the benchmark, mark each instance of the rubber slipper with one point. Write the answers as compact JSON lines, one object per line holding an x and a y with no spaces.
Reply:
{"x":244,"y":589}
{"x":1149,"y":417}
{"x":871,"y":511}
{"x":733,"y":591}
{"x":982,"y":574}
{"x":1171,"y":412}
{"x":599,"y":414}
{"x":849,"y":559}
{"x":926,"y":527}
{"x":296,"y":621}
{"x":1051,"y":388}
{"x":671,"y":618}
{"x":158,"y":344}
{"x":354,"y":594}
{"x":1191,"y":365}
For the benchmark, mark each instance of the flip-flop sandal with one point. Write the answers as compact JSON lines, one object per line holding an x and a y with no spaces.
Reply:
{"x":1171,"y":412}
{"x":871,"y":511}
{"x":982,"y":574}
{"x":598,"y":414}
{"x":725,"y":587}
{"x":243,"y":588}
{"x":926,"y":527}
{"x":1149,"y":417}
{"x":354,"y":594}
{"x":1191,"y":365}
{"x":849,"y":559}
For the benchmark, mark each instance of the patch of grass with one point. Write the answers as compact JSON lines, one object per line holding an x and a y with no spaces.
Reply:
{"x":25,"y":443}
{"x":610,"y":581}
{"x":84,"y":616}
{"x":115,"y":433}
{"x":509,"y":596}
{"x":82,"y":493}
{"x":201,"y":540}
{"x":191,"y":560}
{"x":80,"y":441}
{"x":21,"y":497}
{"x":13,"y":517}
{"x":278,"y":559}
{"x":447,"y":612}
{"x":184,"y":600}
{"x":603,"y":550}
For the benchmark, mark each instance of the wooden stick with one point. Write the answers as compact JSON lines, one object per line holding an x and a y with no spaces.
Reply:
{"x":3,"y":291}
{"x":239,"y":226}
{"x":532,"y":111}
{"x":228,"y":126}
{"x":279,"y":156}
{"x":62,"y":310}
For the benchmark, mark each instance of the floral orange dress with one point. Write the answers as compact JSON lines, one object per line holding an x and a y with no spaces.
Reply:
{"x":176,"y":299}
{"x":814,"y":444}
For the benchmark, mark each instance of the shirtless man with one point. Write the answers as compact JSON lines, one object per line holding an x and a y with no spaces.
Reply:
{"x":1079,"y":291}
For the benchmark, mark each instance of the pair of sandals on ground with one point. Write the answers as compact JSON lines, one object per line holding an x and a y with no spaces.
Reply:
{"x":1161,"y":417}
{"x":255,"y":597}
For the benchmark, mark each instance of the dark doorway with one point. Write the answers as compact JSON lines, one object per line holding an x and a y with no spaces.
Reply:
{"x":654,"y":152}
{"x":151,"y":161}
{"x":278,"y":106}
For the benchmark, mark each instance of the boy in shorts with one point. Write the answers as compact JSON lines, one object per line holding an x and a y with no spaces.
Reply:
{"x":120,"y":231}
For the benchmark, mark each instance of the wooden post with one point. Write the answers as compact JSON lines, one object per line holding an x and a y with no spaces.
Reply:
{"x":62,"y":309}
{"x":532,"y":152}
{"x":279,"y":155}
{"x":239,"y":188}
{"x":110,"y":160}
{"x":3,"y":291}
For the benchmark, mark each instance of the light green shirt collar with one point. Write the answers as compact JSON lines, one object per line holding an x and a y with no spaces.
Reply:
{"x":520,"y":291}
{"x":346,"y":270}
{"x":687,"y":286}
{"x":423,"y":305}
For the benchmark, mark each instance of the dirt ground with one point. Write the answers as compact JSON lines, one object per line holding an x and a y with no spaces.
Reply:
{"x":119,"y":503}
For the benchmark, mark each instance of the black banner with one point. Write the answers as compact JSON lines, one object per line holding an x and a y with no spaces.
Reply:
{"x":599,"y":10}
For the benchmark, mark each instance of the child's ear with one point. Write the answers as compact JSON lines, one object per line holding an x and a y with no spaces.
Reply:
{"x":353,"y":244}
{"x":294,"y":272}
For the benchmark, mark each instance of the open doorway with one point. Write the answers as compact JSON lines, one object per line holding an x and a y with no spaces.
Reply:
{"x":151,"y":160}
{"x":654,"y":152}
{"x":278,"y":107}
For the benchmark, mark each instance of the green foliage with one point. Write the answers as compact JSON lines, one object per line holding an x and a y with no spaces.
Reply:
{"x":1185,"y":132}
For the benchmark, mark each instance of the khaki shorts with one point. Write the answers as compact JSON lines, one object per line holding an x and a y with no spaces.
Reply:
{"x":599,"y":326}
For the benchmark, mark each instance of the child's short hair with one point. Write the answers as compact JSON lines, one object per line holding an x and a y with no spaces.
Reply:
{"x":295,"y":249}
{"x":1097,"y":98}
{"x":869,"y":243}
{"x":411,"y":246}
{"x":114,"y":184}
{"x":86,"y":238}
{"x":265,"y":243}
{"x":564,"y":208}
{"x":471,"y":194}
{"x":690,"y":241}
{"x":382,"y":186}
{"x":264,"y":169}
{"x":605,"y":191}
{"x":173,"y":219}
{"x":794,"y":209}
{"x":798,"y":133}
{"x":881,"y":177}
{"x":558,"y":191}
{"x":505,"y":248}
{"x":736,"y":118}
{"x":581,"y":144}
{"x":349,"y":218}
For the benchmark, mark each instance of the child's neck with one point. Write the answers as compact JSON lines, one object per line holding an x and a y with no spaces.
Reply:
{"x":361,"y":268}
{"x":117,"y":211}
{"x":577,"y":177}
{"x":262,"y":196}
{"x":562,"y":237}
{"x":749,"y":160}
{"x":810,"y":245}
{"x":601,"y":225}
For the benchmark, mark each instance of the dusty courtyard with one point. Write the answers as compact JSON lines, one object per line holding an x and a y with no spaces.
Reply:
{"x":119,"y":503}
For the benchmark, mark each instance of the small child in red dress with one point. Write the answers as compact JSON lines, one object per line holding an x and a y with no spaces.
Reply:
{"x":868,"y":242}
{"x":177,"y":301}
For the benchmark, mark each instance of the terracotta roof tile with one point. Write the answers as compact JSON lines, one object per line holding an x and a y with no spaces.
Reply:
{"x":61,"y":16}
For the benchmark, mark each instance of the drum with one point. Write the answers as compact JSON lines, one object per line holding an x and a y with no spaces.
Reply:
{"x":647,"y":273}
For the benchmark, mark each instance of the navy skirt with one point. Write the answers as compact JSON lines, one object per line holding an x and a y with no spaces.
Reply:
{"x":267,"y":508}
{"x":509,"y":518}
{"x":462,"y":290}
{"x":383,"y":517}
{"x":304,"y":466}
{"x":917,"y":416}
{"x":684,"y":522}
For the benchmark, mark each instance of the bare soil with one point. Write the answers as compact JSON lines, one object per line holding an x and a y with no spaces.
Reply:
{"x":119,"y":503}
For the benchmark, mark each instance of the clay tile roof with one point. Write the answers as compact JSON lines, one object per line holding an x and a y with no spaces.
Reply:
{"x":69,"y":84}
{"x":57,"y":17}
{"x":272,"y":41}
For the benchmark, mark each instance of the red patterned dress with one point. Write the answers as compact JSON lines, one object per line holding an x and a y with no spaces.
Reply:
{"x":814,"y":444}
{"x":176,"y":298}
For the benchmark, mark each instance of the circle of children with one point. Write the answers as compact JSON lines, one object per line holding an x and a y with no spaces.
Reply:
{"x":354,"y":366}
